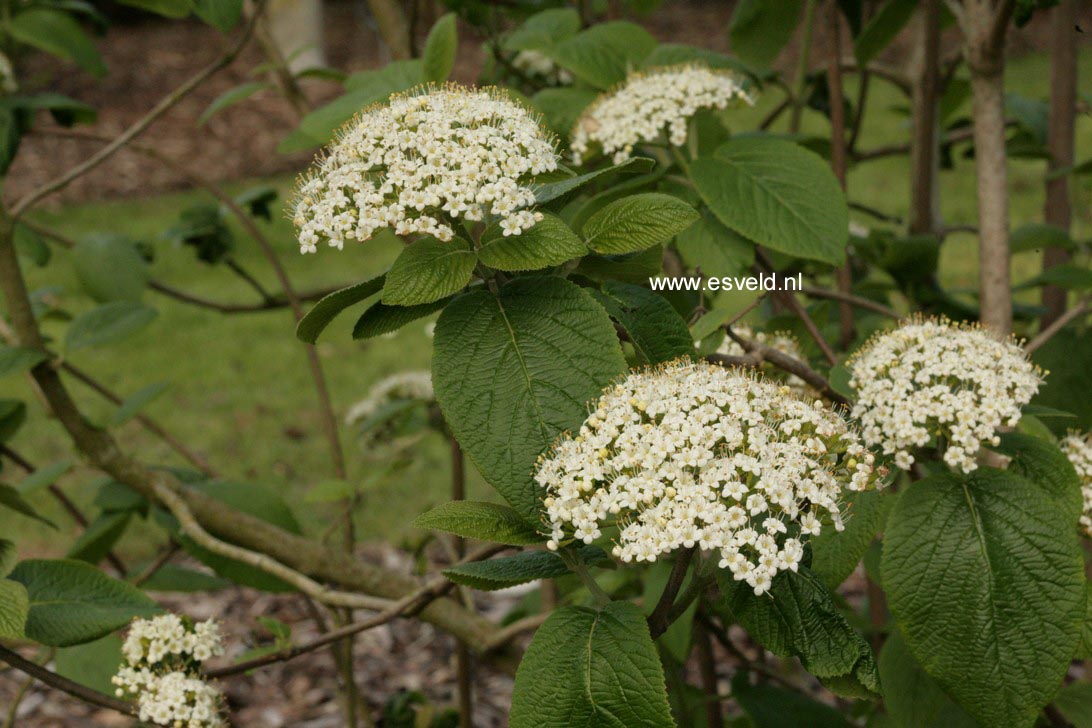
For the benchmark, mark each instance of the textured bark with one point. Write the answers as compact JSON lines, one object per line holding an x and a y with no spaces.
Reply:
{"x":1063,"y":110}
{"x":984,"y":26}
{"x":924,"y":149}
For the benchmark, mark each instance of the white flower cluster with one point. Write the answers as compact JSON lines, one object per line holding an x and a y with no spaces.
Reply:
{"x":649,"y":103}
{"x":1078,"y":449}
{"x":539,"y":65}
{"x":421,"y":161}
{"x":781,"y":341}
{"x":163,"y":656}
{"x":691,"y":455}
{"x":404,"y":385}
{"x":934,"y":378}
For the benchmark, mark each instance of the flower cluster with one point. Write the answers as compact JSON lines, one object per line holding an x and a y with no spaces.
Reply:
{"x":537,"y":64}
{"x":416,"y":385}
{"x":781,"y":341}
{"x":691,"y":455}
{"x":1078,"y":449}
{"x":421,"y":161}
{"x":934,"y":378}
{"x":650,"y":103}
{"x":163,"y":656}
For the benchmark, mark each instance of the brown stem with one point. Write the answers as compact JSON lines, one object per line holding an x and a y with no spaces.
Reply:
{"x":791,"y":365}
{"x":789,"y":299}
{"x":165,"y":104}
{"x":924,"y":151}
{"x":838,"y":160}
{"x":864,"y":303}
{"x":1058,"y":324}
{"x":658,"y":621}
{"x":984,"y":32}
{"x":1060,"y":140}
{"x":76,"y":690}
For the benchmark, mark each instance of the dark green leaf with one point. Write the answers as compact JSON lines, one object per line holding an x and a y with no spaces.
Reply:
{"x":110,"y":268}
{"x":29,"y":243}
{"x":11,"y":499}
{"x":108,"y":324}
{"x":72,"y":602}
{"x":439,"y":55}
{"x":1074,"y":702}
{"x":777,"y":194}
{"x":550,"y":242}
{"x":603,"y":54}
{"x":92,"y":664}
{"x":637,"y":222}
{"x":1071,"y":276}
{"x":14,"y":605}
{"x":1035,"y":236}
{"x":174,"y":578}
{"x":591,"y":667}
{"x":9,"y":553}
{"x":552,"y":191}
{"x":428,"y":270}
{"x":543,"y":30}
{"x":882,"y":28}
{"x":759,"y":29}
{"x":231,"y":97}
{"x":44,"y":476}
{"x":772,"y":707}
{"x":167,"y":8}
{"x":380,"y":319}
{"x":220,"y":14}
{"x":835,"y":554}
{"x":99,"y":537}
{"x":483,"y":521}
{"x":561,"y":107}
{"x":13,"y":413}
{"x":137,"y":401}
{"x":1044,"y":464}
{"x":512,"y":372}
{"x":911,"y":697}
{"x":718,"y":251}
{"x":56,"y":32}
{"x":519,"y":569}
{"x":362,"y":90}
{"x":656,"y":330}
{"x":986,"y":581}
{"x":322,"y":313}
{"x":19,"y":359}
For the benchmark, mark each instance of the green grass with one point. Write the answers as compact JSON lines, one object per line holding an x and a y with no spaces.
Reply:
{"x":240,"y":391}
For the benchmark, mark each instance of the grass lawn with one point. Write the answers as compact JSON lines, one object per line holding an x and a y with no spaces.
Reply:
{"x":240,"y":392}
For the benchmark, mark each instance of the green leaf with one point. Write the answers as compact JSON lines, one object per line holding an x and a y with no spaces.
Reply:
{"x":986,"y":581}
{"x":513,"y":371}
{"x":110,"y":268}
{"x":799,"y":618}
{"x":1074,"y":702}
{"x":57,"y":33}
{"x":519,"y":569}
{"x":768,"y":706}
{"x":635,"y":268}
{"x":11,"y":499}
{"x":656,"y":330}
{"x":229,"y":98}
{"x":439,"y":55}
{"x":9,"y":553}
{"x":1043,"y":413}
{"x":108,"y":324}
{"x":167,"y":8}
{"x":835,"y":554}
{"x":115,"y":497}
{"x":677,"y":54}
{"x":10,"y":136}
{"x":72,"y":602}
{"x":19,"y":359}
{"x":174,"y":578}
{"x":777,"y":194}
{"x":759,"y":29}
{"x":1066,"y":357}
{"x":882,"y":28}
{"x":484,"y":521}
{"x":13,"y":414}
{"x":561,"y":107}
{"x":603,"y":54}
{"x":257,"y":500}
{"x":591,"y":667}
{"x":1084,"y":646}
{"x":64,"y":110}
{"x":637,"y":222}
{"x":911,"y":697}
{"x":99,"y":537}
{"x":1036,"y":236}
{"x":29,"y":243}
{"x":44,"y":476}
{"x":362,"y":90}
{"x":550,"y":242}
{"x":1044,"y":464}
{"x":543,"y":30}
{"x":379,"y":318}
{"x":328,"y":307}
{"x":718,"y":251}
{"x":92,"y":664}
{"x":553,"y":190}
{"x":137,"y":401}
{"x":1071,"y":276}
{"x":220,"y":14}
{"x":427,"y":270}
{"x":14,"y":606}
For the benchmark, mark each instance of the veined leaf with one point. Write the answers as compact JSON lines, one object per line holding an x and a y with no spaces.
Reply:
{"x":483,"y":521}
{"x":656,"y":330}
{"x":440,"y":47}
{"x":637,"y":222}
{"x":427,"y":270}
{"x":322,"y":313}
{"x":603,"y":54}
{"x":379,"y":318}
{"x":14,"y":606}
{"x":520,"y":568}
{"x":912,"y":698}
{"x":550,"y":242}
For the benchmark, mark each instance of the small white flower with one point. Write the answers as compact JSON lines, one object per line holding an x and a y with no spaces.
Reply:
{"x":667,"y":454}
{"x":404,"y":385}
{"x":421,"y":161}
{"x":651,"y":103}
{"x":934,"y":378}
{"x":1078,"y":448}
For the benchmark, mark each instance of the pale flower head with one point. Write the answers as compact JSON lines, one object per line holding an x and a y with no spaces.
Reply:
{"x":1078,"y":448}
{"x":415,"y":385}
{"x":932,"y":378}
{"x":423,"y":161}
{"x":650,"y":104}
{"x":694,"y":455}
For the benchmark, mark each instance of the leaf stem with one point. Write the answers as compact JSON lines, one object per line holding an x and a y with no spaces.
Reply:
{"x":579,"y":568}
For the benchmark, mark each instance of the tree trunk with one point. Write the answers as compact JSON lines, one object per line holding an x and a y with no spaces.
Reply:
{"x":924,"y":151}
{"x":1063,"y":110}
{"x":984,"y":29}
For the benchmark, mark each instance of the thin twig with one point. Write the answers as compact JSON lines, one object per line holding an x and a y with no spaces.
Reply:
{"x":156,"y":564}
{"x":792,"y":365}
{"x":658,"y":621}
{"x":859,"y":301}
{"x":76,"y":690}
{"x":790,"y":300}
{"x":1059,"y":323}
{"x":165,"y":104}
{"x":511,"y":631}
